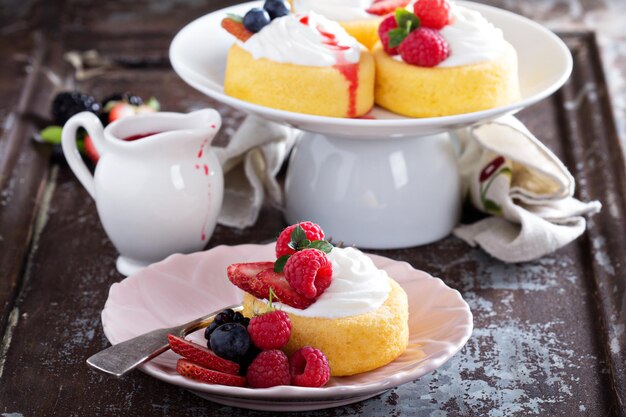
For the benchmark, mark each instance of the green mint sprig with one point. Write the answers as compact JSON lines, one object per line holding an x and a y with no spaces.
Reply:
{"x":407,"y":23}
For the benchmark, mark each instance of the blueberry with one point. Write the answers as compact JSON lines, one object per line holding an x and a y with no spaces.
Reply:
{"x":230,"y":341}
{"x":276,"y":8}
{"x":256,"y":19}
{"x":224,"y":316}
{"x":210,"y":329}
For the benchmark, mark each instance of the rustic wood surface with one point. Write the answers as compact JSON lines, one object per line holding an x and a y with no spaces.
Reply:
{"x":549,"y":335}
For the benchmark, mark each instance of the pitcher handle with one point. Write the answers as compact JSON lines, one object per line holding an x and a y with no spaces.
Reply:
{"x":94,"y":129}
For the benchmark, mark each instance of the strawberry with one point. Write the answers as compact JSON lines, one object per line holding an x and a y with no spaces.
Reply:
{"x":189,"y":369}
{"x":241,"y":275}
{"x":90,"y":150}
{"x":384,"y":28}
{"x":278,"y":283}
{"x":201,"y":355}
{"x":424,"y":47}
{"x":434,"y":14}
{"x":235,"y":28}
{"x":381,"y":8}
{"x":120,"y":110}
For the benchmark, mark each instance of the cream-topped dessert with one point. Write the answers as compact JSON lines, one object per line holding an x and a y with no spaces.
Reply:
{"x":441,"y":60}
{"x":304,"y":39}
{"x":302,"y":63}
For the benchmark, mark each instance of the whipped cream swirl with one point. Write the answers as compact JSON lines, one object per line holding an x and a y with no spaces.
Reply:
{"x":357,"y":287}
{"x":339,"y":10}
{"x":310,"y":40}
{"x":471,"y":38}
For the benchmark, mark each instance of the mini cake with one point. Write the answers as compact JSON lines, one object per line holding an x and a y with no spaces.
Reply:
{"x":300,"y":63}
{"x":450,"y":61}
{"x":360,"y":18}
{"x":338,"y":302}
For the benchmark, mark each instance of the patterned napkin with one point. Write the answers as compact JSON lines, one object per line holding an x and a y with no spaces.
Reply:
{"x":251,"y":161}
{"x":511,"y":175}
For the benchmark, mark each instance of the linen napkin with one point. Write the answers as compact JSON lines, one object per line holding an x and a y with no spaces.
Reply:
{"x":251,"y":161}
{"x":511,"y":175}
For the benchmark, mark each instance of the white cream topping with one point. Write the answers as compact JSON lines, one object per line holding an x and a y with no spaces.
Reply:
{"x":339,"y":10}
{"x":320,"y":43}
{"x":357,"y":287}
{"x":471,"y":38}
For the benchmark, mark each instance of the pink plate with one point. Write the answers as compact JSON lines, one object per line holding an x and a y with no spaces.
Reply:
{"x":184,"y":287}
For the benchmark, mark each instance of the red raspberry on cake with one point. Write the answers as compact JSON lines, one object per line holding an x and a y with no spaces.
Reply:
{"x":269,"y":369}
{"x":424,"y":47}
{"x":383,"y":33}
{"x":434,"y":14}
{"x":312,"y":231}
{"x":270,"y":330}
{"x":309,"y":272}
{"x":309,"y":367}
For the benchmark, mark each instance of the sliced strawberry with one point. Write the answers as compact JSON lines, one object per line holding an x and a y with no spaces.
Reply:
{"x":241,"y":275}
{"x":201,"y":355}
{"x":237,"y":29}
{"x":384,"y":7}
{"x":284,"y":291}
{"x":120,"y":110}
{"x":189,"y":369}
{"x":90,"y":150}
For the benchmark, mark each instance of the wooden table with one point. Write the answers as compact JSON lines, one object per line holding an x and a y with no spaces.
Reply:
{"x":549,"y":335}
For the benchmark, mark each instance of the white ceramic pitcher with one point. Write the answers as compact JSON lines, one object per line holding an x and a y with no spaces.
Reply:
{"x":158,"y":186}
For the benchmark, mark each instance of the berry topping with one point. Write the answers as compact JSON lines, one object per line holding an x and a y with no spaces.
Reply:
{"x":383,"y":7}
{"x":201,"y":355}
{"x":230,"y":341}
{"x":434,"y":14}
{"x":309,"y":272}
{"x":224,"y":316}
{"x":276,"y":8}
{"x":309,"y":368}
{"x":269,"y":369}
{"x":256,"y":19}
{"x":424,"y":47}
{"x":270,"y":330}
{"x":285,"y":293}
{"x":67,"y":104}
{"x":210,"y":329}
{"x":130,"y":98}
{"x":236,"y":28}
{"x":286,"y":239}
{"x":191,"y":370}
{"x":90,"y":150}
{"x":120,"y":110}
{"x":383,"y":33}
{"x":242,"y":275}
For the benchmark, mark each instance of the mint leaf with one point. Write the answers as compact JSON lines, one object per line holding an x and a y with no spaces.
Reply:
{"x":297,"y":235}
{"x":407,"y":20}
{"x":322,"y":245}
{"x":396,"y":36}
{"x":279,"y":264}
{"x":235,"y":17}
{"x":51,"y":134}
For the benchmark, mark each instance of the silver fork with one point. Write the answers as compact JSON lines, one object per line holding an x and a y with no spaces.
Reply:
{"x":119,"y":359}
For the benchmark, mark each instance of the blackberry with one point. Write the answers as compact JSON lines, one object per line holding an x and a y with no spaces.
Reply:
{"x":67,"y":104}
{"x":224,"y":316}
{"x":210,"y":329}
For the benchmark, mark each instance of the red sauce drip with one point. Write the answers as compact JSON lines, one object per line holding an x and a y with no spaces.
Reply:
{"x":351,"y":74}
{"x":206,"y":169}
{"x":304,"y":20}
{"x":140,"y":136}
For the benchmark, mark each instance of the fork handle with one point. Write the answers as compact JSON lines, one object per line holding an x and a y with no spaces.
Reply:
{"x":126,"y":356}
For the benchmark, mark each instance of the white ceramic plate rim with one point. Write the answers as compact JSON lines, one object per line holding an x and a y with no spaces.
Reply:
{"x":292,"y":393}
{"x":215,"y":90}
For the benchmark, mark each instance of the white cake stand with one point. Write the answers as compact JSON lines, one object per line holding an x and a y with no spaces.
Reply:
{"x":385,"y":183}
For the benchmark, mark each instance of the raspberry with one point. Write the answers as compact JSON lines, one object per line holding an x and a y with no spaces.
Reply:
{"x":271,"y":330}
{"x":434,"y":14}
{"x":309,"y":368}
{"x":269,"y":369}
{"x":312,"y":231}
{"x":309,"y":272}
{"x":424,"y":47}
{"x":383,"y":33}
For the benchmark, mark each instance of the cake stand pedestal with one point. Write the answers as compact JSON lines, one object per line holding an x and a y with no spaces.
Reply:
{"x":380,"y":193}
